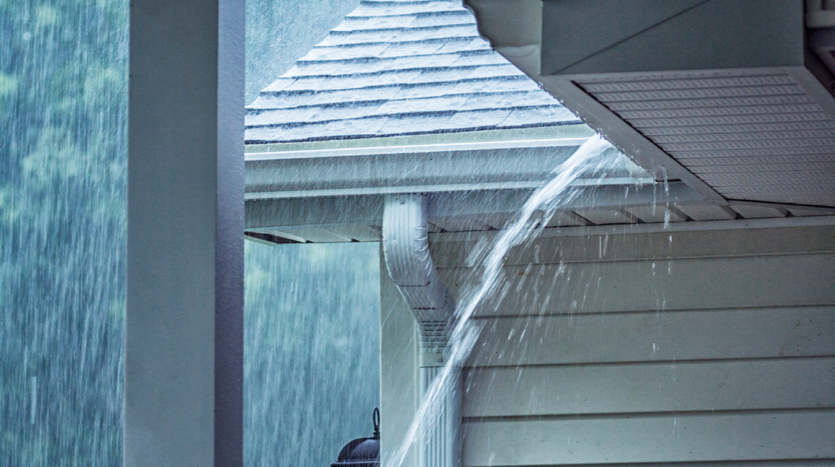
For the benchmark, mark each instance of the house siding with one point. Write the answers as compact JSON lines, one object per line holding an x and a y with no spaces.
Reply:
{"x":686,"y":347}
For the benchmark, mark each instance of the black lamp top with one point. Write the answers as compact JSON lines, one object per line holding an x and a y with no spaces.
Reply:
{"x":362,"y":452}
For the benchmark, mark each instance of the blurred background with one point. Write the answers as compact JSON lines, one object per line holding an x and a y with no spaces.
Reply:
{"x":312,"y":311}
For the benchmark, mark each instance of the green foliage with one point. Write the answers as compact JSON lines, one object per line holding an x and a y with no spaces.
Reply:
{"x":311,"y":368}
{"x":63,"y":77}
{"x":63,"y":117}
{"x":8,"y":85}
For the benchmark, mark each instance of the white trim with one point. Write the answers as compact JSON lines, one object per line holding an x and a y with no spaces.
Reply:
{"x":503,"y":165}
{"x":406,"y":189}
{"x":689,"y":226}
{"x":408,"y":149}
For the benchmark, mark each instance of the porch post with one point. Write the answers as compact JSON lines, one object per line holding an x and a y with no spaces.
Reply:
{"x":184,"y":339}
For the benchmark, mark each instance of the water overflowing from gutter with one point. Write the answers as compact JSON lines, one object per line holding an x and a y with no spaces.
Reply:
{"x":587,"y":161}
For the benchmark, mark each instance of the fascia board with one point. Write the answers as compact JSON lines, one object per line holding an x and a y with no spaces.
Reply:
{"x":698,"y":226}
{"x":419,"y":169}
{"x":368,"y":209}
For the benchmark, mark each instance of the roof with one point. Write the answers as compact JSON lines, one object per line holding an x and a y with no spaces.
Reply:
{"x":406,"y":97}
{"x":396,"y":68}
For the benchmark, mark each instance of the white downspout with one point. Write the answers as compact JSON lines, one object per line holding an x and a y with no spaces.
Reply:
{"x":406,"y":252}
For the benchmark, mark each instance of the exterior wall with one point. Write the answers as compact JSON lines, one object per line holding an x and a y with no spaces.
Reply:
{"x":669,"y":347}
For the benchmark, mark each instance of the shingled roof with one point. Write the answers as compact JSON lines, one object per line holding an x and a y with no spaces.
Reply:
{"x":396,"y":68}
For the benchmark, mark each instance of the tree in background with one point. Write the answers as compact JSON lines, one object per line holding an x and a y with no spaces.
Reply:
{"x":63,"y":96}
{"x":63,"y":113}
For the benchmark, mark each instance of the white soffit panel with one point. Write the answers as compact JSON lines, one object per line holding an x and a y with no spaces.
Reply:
{"x":461,"y":224}
{"x":708,"y":212}
{"x":749,"y":134}
{"x":655,"y":214}
{"x":312,"y":234}
{"x":607,"y":216}
{"x":754,"y":211}
{"x":360,"y":233}
{"x":566,"y":219}
{"x":805,"y":212}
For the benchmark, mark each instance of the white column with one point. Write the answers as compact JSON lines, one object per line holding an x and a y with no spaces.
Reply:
{"x":184,"y":339}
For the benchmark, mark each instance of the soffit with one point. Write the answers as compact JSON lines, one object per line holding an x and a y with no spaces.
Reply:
{"x":750,"y":135}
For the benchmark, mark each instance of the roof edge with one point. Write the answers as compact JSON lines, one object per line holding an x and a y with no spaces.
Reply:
{"x":523,"y":134}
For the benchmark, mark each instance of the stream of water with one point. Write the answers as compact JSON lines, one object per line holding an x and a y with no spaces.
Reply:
{"x":588,"y":160}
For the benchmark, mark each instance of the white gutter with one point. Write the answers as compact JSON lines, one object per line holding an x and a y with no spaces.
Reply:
{"x":497,"y":165}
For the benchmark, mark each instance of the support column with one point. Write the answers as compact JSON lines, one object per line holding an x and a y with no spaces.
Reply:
{"x":184,"y":338}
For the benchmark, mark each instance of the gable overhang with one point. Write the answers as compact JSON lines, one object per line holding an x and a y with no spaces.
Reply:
{"x":732,"y":97}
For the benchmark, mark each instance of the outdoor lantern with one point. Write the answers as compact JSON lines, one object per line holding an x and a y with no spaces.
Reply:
{"x":362,"y":452}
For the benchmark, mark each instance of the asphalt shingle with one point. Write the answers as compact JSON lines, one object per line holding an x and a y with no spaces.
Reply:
{"x":400,"y":67}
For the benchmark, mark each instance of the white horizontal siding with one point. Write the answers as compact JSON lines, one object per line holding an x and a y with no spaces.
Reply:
{"x":702,"y":386}
{"x":656,"y":246}
{"x":706,"y":348}
{"x":679,"y":284}
{"x":658,"y":439}
{"x":656,"y":337}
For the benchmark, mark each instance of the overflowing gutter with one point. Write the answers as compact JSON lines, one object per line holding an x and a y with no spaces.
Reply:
{"x":407,"y":98}
{"x":469,"y":186}
{"x":499,"y":165}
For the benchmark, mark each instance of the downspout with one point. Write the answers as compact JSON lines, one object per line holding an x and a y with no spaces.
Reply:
{"x":407,"y":256}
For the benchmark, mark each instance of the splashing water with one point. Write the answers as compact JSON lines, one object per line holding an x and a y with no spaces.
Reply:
{"x":589,"y":159}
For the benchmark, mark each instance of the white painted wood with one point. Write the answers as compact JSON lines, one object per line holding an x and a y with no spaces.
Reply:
{"x":708,"y":213}
{"x":441,"y":167}
{"x":803,"y":212}
{"x":640,"y":229}
{"x":398,"y":367}
{"x":756,"y":463}
{"x":754,"y":211}
{"x":745,"y":282}
{"x":656,"y":337}
{"x":607,"y":216}
{"x":714,"y":347}
{"x":646,"y":388}
{"x":705,"y":438}
{"x":453,"y":249}
{"x":657,"y":213}
{"x":312,"y":235}
{"x":184,"y":320}
{"x":566,"y":219}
